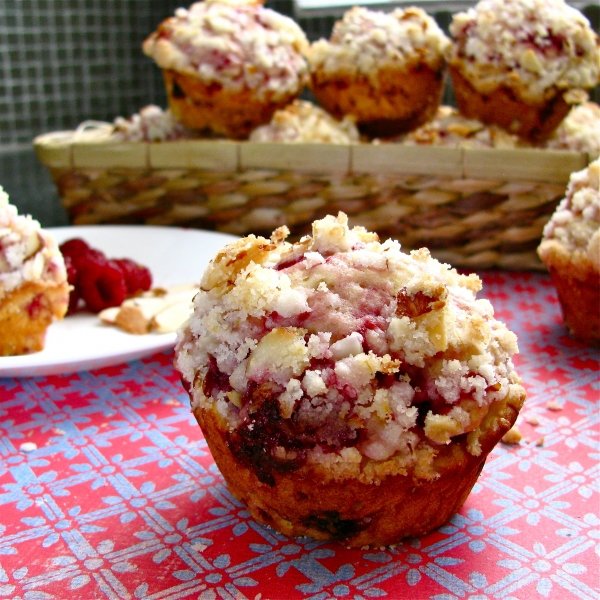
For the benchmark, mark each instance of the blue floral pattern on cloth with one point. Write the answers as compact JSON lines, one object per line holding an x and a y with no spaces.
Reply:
{"x":108,"y":490}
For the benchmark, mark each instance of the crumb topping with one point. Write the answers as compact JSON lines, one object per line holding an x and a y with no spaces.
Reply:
{"x":531,"y":46}
{"x":303,"y":121}
{"x":365,"y":40}
{"x":239,"y":45}
{"x":575,"y":225}
{"x":27,"y":253}
{"x":341,"y":343}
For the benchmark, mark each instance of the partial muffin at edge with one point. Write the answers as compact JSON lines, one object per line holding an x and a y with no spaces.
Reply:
{"x":570,"y":249}
{"x":34,"y":291}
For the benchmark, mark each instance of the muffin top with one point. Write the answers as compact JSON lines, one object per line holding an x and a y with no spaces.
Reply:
{"x":303,"y":121}
{"x":574,"y":228}
{"x":151,"y":124}
{"x":27,"y":253}
{"x":450,"y":128}
{"x":339,"y":349}
{"x":531,"y":46}
{"x":578,"y":131}
{"x":364,"y":41}
{"x":240,"y":45}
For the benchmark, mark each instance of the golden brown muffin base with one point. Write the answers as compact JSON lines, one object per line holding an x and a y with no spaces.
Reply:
{"x":309,"y":501}
{"x":233,"y":114}
{"x":532,"y":122}
{"x":27,"y":312}
{"x":577,"y":285}
{"x":395,"y":102}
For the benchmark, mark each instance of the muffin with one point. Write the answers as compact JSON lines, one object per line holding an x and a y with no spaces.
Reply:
{"x":347,"y":390}
{"x":33,"y":282}
{"x":386,"y":70}
{"x":570,"y":249}
{"x":227,"y":65}
{"x":519,"y":64}
{"x":303,"y":121}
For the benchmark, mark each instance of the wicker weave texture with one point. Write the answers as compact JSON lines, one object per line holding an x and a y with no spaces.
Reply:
{"x":475,"y":223}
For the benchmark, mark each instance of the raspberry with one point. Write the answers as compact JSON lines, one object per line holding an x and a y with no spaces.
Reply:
{"x":76,"y":249}
{"x":98,"y":280}
{"x":137,"y":277}
{"x":101,"y":284}
{"x":74,"y":246}
{"x":74,"y":296}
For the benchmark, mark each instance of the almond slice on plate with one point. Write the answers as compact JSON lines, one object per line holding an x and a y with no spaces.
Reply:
{"x":161,"y":310}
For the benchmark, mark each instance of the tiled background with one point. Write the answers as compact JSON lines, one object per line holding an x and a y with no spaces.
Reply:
{"x":65,"y":61}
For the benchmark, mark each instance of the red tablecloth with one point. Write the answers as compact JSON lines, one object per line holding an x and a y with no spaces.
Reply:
{"x":107,"y":490}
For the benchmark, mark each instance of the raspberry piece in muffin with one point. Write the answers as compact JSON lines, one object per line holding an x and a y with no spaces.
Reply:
{"x":347,"y":390}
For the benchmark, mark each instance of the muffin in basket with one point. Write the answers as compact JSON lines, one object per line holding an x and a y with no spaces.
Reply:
{"x":347,"y":390}
{"x":228,"y":65}
{"x":303,"y":121}
{"x":384,"y":69}
{"x":33,"y":282}
{"x":520,"y":64}
{"x":570,"y":249}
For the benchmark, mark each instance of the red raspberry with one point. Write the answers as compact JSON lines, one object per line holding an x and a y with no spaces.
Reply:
{"x":137,"y":277}
{"x":74,"y":246}
{"x":101,"y":284}
{"x":75,"y":249}
{"x":74,"y":296}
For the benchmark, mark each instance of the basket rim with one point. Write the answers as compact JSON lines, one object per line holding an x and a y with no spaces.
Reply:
{"x":69,"y":149}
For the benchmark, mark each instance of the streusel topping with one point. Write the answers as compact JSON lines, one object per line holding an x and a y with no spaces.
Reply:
{"x":531,"y":46}
{"x":340,"y":346}
{"x":239,"y":45}
{"x":575,"y":225}
{"x":303,"y":121}
{"x":27,"y":253}
{"x":365,"y":40}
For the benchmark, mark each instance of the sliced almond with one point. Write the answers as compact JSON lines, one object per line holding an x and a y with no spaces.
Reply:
{"x":109,"y":315}
{"x":160,"y":310}
{"x":135,"y":314}
{"x":171,"y":317}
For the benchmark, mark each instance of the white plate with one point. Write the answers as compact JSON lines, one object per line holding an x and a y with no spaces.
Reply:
{"x":79,"y":342}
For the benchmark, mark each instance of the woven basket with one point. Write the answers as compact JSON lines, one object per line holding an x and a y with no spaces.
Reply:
{"x":472,"y":208}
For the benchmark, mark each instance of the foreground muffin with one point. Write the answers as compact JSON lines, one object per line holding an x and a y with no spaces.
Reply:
{"x":33,"y":282}
{"x":303,"y":121}
{"x":520,"y":64}
{"x":570,"y":249}
{"x":228,"y":65}
{"x":347,"y":390}
{"x":384,"y":69}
